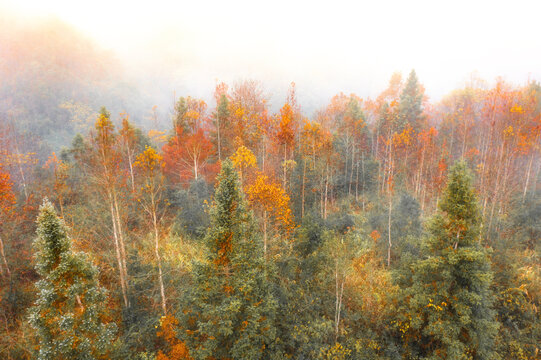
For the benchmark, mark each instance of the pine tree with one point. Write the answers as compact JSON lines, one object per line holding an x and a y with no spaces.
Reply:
{"x":409,"y":107}
{"x":68,"y":315}
{"x":231,"y":309}
{"x":221,"y":116}
{"x":448,"y":312}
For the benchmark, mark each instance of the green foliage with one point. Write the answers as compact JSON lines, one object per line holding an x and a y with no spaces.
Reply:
{"x":406,"y":227}
{"x":303,"y":320}
{"x":525,"y":225}
{"x":516,"y":282}
{"x":69,"y":314}
{"x":409,"y":108}
{"x":231,"y":309}
{"x":192,"y":208}
{"x":448,"y":310}
{"x":180,"y":110}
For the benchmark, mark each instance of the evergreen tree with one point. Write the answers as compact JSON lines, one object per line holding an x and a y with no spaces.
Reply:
{"x":180,"y":110}
{"x":231,"y":309}
{"x":449,"y":311}
{"x":409,"y":107}
{"x":220,"y":123}
{"x":68,"y":316}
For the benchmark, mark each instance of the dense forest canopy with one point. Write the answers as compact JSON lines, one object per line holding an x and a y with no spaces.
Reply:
{"x":391,"y":227}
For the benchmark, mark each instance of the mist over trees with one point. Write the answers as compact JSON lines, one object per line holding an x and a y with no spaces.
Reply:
{"x":390,"y":227}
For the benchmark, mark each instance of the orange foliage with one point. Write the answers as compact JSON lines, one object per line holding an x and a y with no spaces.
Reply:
{"x":177,"y":350}
{"x":193,"y":116}
{"x":403,"y":139}
{"x":314,"y":139}
{"x":248,"y":110}
{"x":375,"y":235}
{"x":269,"y":197}
{"x":187,"y":156}
{"x":224,"y":249}
{"x":287,"y":126}
{"x":372,"y":287}
{"x":7,"y":198}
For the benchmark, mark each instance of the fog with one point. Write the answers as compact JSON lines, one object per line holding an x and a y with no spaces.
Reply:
{"x":184,"y":48}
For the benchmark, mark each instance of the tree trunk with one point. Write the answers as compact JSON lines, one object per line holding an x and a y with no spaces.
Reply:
{"x":363,"y":178}
{"x":339,"y":292}
{"x":265,"y":234}
{"x":121,"y":240}
{"x":326,"y":192}
{"x":219,"y":139}
{"x":389,"y":230}
{"x":131,"y":170}
{"x":119,"y":258}
{"x":22,"y":176}
{"x":352,"y":167}
{"x":527,"y":177}
{"x":303,"y":185}
{"x":158,"y":257}
{"x":195,"y":170}
{"x":284,"y":165}
{"x":4,"y":258}
{"x":357,"y":179}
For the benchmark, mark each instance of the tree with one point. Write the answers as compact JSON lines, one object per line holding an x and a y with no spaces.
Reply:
{"x":187,"y":155}
{"x":69,"y":315}
{"x":231,"y":308}
{"x":106,"y":158}
{"x":271,"y":203}
{"x":150,"y":164}
{"x":243,"y":159}
{"x":60,"y":175}
{"x":128,"y":139}
{"x":7,"y":202}
{"x":449,"y":311}
{"x":220,"y":117}
{"x":410,"y":107}
{"x":285,"y":136}
{"x":175,"y":349}
{"x":189,"y":114}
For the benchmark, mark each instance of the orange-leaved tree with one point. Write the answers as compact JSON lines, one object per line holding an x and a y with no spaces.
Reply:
{"x":188,"y":156}
{"x":271,"y":205}
{"x":176,"y":349}
{"x":7,"y":203}
{"x":285,"y":136}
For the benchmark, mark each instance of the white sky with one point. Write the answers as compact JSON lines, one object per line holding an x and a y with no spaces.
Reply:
{"x":326,"y":47}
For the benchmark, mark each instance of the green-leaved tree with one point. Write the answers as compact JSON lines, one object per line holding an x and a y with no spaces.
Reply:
{"x":231,"y":312}
{"x":448,"y":312}
{"x":410,"y":106}
{"x":68,"y":316}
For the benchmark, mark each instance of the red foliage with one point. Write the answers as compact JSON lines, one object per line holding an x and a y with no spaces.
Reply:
{"x":187,"y":157}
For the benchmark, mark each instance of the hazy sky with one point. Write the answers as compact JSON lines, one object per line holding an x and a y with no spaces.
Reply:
{"x":325,"y":47}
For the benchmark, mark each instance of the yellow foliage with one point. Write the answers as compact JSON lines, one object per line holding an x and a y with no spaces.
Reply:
{"x":243,"y":158}
{"x":270,"y":197}
{"x":517,"y":109}
{"x":159,"y":137}
{"x":149,"y":160}
{"x":336,"y":352}
{"x":508,"y":131}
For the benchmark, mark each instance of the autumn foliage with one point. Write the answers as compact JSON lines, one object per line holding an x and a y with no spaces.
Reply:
{"x":248,"y":230}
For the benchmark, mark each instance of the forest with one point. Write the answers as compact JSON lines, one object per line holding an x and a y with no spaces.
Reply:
{"x":390,"y":227}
